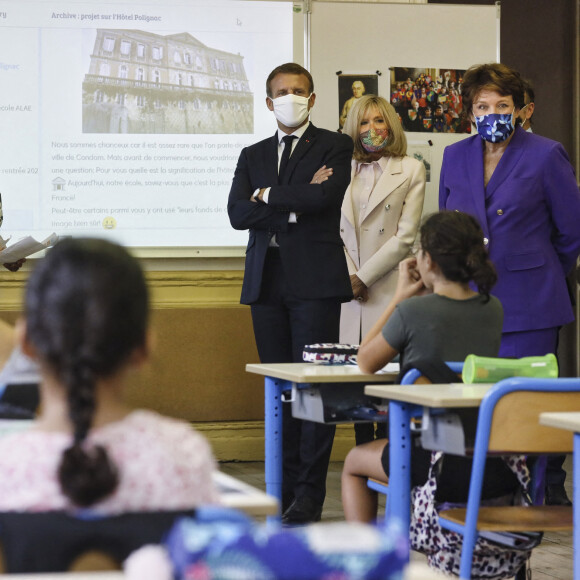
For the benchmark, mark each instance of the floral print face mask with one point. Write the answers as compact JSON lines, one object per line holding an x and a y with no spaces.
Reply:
{"x":374,"y":140}
{"x":495,"y":127}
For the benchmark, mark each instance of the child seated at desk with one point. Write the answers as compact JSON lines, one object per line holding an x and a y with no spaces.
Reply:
{"x":86,"y":318}
{"x":434,"y":315}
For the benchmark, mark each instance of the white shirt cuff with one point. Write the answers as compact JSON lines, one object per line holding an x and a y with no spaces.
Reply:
{"x":265,"y":196}
{"x":292,"y":217}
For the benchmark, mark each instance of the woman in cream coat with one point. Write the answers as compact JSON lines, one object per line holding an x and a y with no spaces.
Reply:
{"x":381,"y":212}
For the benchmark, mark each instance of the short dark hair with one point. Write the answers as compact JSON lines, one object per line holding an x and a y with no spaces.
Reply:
{"x":494,"y":77}
{"x":289,"y":68}
{"x":529,"y":92}
{"x":454,"y":240}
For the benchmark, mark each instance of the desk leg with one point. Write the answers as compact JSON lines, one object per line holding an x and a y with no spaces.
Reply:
{"x":399,"y":496}
{"x":576,"y":506}
{"x":273,"y":435}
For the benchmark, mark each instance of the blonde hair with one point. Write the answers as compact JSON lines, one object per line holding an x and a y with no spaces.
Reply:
{"x":397,"y":142}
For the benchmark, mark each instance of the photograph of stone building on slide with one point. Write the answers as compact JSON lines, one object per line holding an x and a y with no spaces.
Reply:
{"x":140,"y":82}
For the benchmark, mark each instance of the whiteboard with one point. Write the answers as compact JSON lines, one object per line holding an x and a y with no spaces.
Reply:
{"x":360,"y":38}
{"x":166,"y":194}
{"x":125,"y":119}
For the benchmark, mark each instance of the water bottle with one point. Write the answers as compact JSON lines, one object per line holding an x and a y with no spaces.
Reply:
{"x":480,"y":369}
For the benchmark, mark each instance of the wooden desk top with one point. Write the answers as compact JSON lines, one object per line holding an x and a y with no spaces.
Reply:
{"x":314,"y":373}
{"x":242,"y":496}
{"x":568,"y":421}
{"x":446,"y":395}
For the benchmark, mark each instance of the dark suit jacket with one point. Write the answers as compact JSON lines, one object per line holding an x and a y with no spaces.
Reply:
{"x":311,"y":250}
{"x":530,"y":214}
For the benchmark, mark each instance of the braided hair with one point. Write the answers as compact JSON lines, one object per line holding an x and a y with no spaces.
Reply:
{"x":86,"y":311}
{"x":454,"y":240}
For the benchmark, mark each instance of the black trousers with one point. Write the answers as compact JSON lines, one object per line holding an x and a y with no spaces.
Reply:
{"x":283,"y":324}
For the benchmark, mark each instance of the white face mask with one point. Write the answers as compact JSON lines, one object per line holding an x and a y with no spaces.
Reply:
{"x":291,"y":110}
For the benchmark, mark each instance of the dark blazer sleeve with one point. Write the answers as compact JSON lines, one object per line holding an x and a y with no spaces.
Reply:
{"x":245,"y":214}
{"x":301,"y":196}
{"x":311,"y":248}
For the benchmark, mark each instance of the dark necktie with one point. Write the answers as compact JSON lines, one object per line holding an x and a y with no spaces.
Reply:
{"x":285,"y":156}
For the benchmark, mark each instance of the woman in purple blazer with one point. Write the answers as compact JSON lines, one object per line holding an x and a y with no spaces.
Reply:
{"x":522,"y":189}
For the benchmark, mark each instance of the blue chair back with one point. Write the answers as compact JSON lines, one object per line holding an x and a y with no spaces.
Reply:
{"x":540,"y":395}
{"x":413,"y":374}
{"x":409,"y":378}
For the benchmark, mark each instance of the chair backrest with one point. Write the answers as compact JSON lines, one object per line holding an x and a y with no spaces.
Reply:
{"x":417,"y":376}
{"x":508,"y":423}
{"x":53,"y":541}
{"x":515,"y":405}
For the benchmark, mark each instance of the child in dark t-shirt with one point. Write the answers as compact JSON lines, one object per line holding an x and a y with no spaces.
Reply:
{"x":434,"y":315}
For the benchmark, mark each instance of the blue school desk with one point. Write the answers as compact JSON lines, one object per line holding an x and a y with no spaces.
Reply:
{"x":279,"y":379}
{"x":405,"y":401}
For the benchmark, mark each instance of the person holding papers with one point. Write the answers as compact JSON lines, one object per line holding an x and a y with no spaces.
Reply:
{"x":15,"y":266}
{"x":13,"y":258}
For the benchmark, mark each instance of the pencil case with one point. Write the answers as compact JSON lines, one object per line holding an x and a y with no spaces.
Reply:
{"x":330,"y":353}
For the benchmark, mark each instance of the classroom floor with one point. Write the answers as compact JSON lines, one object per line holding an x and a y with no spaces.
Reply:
{"x":552,"y":559}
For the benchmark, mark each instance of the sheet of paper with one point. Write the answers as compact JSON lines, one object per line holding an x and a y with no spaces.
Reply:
{"x":392,"y":367}
{"x":25,"y":247}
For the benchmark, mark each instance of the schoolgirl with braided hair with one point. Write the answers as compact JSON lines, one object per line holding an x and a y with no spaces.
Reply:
{"x":86,"y":323}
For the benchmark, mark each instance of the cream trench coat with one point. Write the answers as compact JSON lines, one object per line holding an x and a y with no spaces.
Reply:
{"x":387,"y":234}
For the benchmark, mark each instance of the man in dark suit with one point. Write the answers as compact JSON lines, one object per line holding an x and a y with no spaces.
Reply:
{"x":288,"y":191}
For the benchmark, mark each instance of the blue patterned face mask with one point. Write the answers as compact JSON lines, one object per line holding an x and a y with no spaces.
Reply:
{"x":495,"y":127}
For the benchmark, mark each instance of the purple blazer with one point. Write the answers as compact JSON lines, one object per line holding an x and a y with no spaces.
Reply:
{"x":530,"y":216}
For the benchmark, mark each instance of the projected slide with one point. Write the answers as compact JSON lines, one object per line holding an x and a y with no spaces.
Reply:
{"x":126,"y":120}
